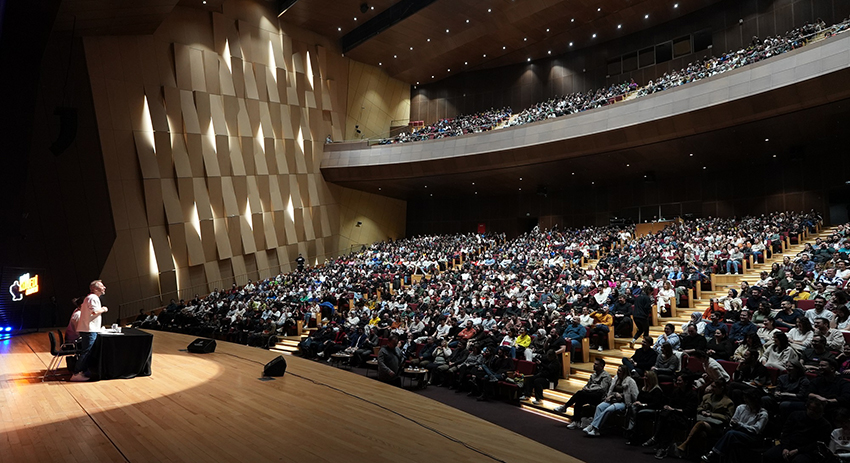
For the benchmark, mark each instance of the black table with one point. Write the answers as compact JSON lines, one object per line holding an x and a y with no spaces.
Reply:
{"x":121,"y":356}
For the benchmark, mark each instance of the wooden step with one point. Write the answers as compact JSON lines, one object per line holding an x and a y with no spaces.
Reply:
{"x":282,"y":351}
{"x":584,"y":370}
{"x":610,"y":356}
{"x":545,"y":410}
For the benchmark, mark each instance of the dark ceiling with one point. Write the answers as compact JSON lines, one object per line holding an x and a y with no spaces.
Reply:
{"x":506,"y":31}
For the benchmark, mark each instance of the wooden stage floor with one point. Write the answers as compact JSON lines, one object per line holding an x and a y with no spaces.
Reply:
{"x":213,"y":407}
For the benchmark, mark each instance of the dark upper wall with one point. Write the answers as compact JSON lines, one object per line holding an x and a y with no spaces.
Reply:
{"x":778,"y":188}
{"x":522,"y":85}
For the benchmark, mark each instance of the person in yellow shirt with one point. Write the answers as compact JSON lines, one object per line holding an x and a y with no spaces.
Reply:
{"x":523,"y":343}
{"x":799,"y":292}
{"x":602,"y":323}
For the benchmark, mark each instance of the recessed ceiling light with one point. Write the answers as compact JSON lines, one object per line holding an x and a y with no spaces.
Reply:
{"x":525,"y":39}
{"x":426,"y":186}
{"x":503,"y":47}
{"x":485,"y":55}
{"x":489,"y":10}
{"x":355,"y":18}
{"x":473,"y":183}
{"x":573,"y":20}
{"x":379,"y":188}
{"x":373,"y":7}
{"x":428,"y":40}
{"x":593,"y":36}
{"x":467,"y":21}
{"x":619,"y":26}
{"x":449,"y":70}
{"x":465,"y":63}
{"x":520,"y":179}
{"x":395,"y":56}
{"x":476,"y":192}
{"x":675,"y":5}
{"x":628,"y":165}
{"x":646,"y":16}
{"x":447,"y":31}
{"x":547,"y":30}
{"x":774,"y":155}
{"x":767,"y":139}
{"x":380,"y":64}
{"x":571,"y":44}
{"x":529,"y":60}
{"x":411,"y":48}
{"x":432,"y":78}
{"x":339,"y":29}
{"x":599,"y":9}
{"x":204,"y":2}
{"x":520,"y":189}
{"x":593,"y":183}
{"x":417,"y":82}
{"x":703,"y":167}
{"x":550,"y":52}
{"x":692,"y":154}
{"x":432,"y":194}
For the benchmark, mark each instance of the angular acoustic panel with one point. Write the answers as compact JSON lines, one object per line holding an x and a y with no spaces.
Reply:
{"x":212,"y":131}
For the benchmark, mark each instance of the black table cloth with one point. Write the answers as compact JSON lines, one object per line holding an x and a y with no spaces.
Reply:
{"x":123,"y":356}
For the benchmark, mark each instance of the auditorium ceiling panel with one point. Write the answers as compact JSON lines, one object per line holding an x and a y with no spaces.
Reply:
{"x":448,"y":37}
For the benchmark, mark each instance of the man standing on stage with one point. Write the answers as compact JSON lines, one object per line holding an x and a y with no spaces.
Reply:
{"x":88,"y":327}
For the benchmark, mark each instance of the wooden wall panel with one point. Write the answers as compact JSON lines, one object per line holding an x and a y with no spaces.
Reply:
{"x":207,"y":162}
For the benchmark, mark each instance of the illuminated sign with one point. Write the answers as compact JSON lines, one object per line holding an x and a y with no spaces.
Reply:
{"x":25,"y":285}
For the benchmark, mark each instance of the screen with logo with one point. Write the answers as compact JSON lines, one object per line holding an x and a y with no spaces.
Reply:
{"x":21,"y":300}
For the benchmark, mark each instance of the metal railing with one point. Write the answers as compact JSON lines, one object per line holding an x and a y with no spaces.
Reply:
{"x":132,"y":308}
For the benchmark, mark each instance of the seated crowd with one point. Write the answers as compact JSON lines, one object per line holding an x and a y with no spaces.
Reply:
{"x":758,"y":50}
{"x":456,"y":126}
{"x":490,"y":314}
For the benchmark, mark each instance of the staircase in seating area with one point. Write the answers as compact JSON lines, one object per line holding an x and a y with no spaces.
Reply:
{"x":287,"y":345}
{"x":580,"y":372}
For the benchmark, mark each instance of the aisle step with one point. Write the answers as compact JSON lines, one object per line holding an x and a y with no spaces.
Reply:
{"x":545,"y":410}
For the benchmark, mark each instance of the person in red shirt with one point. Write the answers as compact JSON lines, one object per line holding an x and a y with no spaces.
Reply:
{"x":467,"y":332}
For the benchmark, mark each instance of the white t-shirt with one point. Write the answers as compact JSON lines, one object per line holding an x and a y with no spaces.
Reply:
{"x":90,"y":314}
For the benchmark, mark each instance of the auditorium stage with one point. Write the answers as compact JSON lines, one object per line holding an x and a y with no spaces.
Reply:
{"x":213,"y":407}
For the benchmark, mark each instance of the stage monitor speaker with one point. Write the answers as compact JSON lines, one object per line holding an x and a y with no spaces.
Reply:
{"x":276,"y":367}
{"x":202,"y":346}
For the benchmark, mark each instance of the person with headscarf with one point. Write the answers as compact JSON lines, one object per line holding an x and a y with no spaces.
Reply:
{"x":697,"y":321}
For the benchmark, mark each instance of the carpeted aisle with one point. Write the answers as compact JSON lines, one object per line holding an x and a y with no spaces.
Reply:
{"x":539,"y":428}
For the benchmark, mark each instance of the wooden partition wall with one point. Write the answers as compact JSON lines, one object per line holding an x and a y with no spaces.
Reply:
{"x":212,"y":132}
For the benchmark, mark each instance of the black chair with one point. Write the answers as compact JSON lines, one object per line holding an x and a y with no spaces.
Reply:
{"x":64,"y":350}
